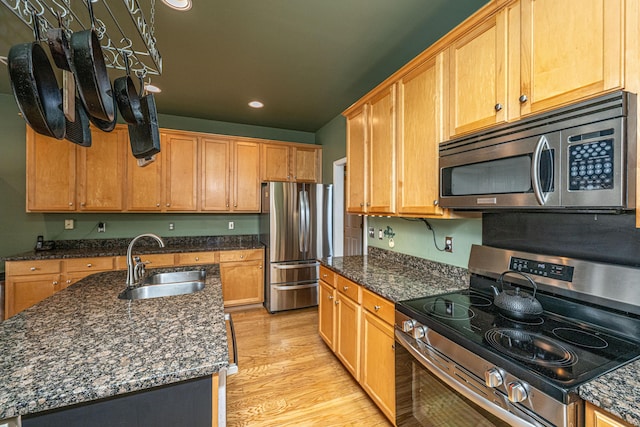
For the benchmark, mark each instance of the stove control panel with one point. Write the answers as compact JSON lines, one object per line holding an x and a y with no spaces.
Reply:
{"x":544,"y":269}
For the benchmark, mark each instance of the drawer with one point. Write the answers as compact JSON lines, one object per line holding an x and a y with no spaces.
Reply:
{"x":89,"y":264}
{"x":327,"y":276}
{"x":381,"y":307}
{"x":243,"y":255}
{"x":23,"y":268}
{"x":348,"y":288}
{"x":191,"y":258}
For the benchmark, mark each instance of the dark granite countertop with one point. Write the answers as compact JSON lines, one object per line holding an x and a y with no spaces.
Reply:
{"x":117,"y":247}
{"x":83,"y":343}
{"x":617,"y":392}
{"x":398,"y":277}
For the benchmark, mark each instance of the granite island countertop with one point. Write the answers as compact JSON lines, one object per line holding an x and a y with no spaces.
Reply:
{"x":83,"y":343}
{"x":118,"y":247}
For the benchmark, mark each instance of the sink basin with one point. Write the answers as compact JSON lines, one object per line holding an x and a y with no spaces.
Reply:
{"x":167,"y":284}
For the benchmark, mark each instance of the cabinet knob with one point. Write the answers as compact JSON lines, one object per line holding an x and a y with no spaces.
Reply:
{"x":324,"y":275}
{"x":68,"y":281}
{"x":70,"y":203}
{"x":377,"y":307}
{"x":33,"y":269}
{"x":523,"y":98}
{"x":337,"y":302}
{"x":498,"y":106}
{"x":55,"y":282}
{"x":227,"y":204}
{"x":368,"y":204}
{"x":168,"y":204}
{"x":435,"y":202}
{"x":89,"y":265}
{"x":157,"y":205}
{"x":345,"y":288}
{"x":83,"y":204}
{"x":235,"y":205}
{"x":330,"y":297}
{"x":241,"y":256}
{"x":260,"y":266}
{"x":197,"y":258}
{"x":361,"y":204}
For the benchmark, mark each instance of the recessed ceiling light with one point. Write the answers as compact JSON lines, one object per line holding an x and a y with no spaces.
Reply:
{"x":178,"y":4}
{"x":152,"y":88}
{"x":256,"y":104}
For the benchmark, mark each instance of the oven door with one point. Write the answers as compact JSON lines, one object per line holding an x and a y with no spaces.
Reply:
{"x":433,"y":391}
{"x":518,"y":173}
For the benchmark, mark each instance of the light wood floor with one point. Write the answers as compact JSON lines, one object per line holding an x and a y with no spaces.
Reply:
{"x":289,"y":377}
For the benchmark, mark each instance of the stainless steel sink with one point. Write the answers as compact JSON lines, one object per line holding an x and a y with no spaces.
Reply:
{"x":167,"y":284}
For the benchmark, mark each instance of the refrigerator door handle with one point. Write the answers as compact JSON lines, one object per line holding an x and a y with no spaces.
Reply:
{"x":307,"y":221}
{"x":301,"y":220}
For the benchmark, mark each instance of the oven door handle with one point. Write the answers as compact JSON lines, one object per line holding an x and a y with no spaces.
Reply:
{"x":542,"y":144}
{"x":504,"y":415}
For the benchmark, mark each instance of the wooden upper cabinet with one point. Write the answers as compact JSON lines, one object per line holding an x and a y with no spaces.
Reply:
{"x":478,"y":76}
{"x":246,"y":177}
{"x":420,"y":129}
{"x":144,"y":185}
{"x":100,"y":171}
{"x":570,"y":49}
{"x":215,"y":158}
{"x":356,"y":156}
{"x":181,"y":171}
{"x":51,"y":173}
{"x":288,"y":162}
{"x":381,"y":173}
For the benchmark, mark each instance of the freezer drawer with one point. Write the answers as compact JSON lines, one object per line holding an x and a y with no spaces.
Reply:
{"x":293,"y":272}
{"x":288,"y":297}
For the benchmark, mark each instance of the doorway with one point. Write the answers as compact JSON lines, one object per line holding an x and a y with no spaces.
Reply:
{"x":348,"y":232}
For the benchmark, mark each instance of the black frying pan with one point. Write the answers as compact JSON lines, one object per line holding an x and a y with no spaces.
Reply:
{"x":36,"y":90}
{"x":127,"y":96}
{"x":91,"y":73}
{"x":145,"y":137}
{"x":78,"y":131}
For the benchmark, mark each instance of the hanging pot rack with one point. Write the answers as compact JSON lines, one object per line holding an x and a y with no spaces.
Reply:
{"x":117,"y":39}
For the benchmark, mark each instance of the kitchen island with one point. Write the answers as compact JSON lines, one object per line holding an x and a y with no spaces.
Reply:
{"x":83,"y":345}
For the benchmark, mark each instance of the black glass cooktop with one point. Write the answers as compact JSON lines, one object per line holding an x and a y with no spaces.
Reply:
{"x":562,"y":350}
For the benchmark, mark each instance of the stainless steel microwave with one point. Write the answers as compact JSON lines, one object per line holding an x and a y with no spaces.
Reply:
{"x":578,"y":157}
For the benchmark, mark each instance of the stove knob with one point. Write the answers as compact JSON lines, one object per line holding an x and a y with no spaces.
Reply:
{"x":493,"y":378}
{"x":408,"y":325}
{"x":516,"y":391}
{"x":419,"y":332}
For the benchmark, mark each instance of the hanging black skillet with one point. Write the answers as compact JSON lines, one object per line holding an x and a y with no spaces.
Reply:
{"x":127,"y":96}
{"x":91,"y":74}
{"x":35,"y":87}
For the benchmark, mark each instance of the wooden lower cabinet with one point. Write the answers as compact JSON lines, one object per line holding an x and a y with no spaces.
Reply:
{"x":242,"y":277}
{"x":358,"y":327}
{"x":596,"y":417}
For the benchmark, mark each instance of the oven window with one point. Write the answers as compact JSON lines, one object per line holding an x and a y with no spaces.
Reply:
{"x":424,"y":400}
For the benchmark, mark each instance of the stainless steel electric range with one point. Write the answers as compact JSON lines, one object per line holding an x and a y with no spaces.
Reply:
{"x":461,"y":361}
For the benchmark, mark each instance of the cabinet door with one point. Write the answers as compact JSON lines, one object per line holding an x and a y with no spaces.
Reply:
{"x":381,"y":173}
{"x":327,"y":314}
{"x":477,"y":77}
{"x":276,"y":162}
{"x":215,"y":157}
{"x":242,"y":283}
{"x":24,"y":291}
{"x":101,"y":169}
{"x":306,"y":164}
{"x":420,"y":131}
{"x":348,"y":340}
{"x":144,"y":185}
{"x":571,"y":49}
{"x":596,"y":417}
{"x":180,"y":171}
{"x":378,"y":363}
{"x":356,"y":165}
{"x":51,"y":173}
{"x":246,"y":177}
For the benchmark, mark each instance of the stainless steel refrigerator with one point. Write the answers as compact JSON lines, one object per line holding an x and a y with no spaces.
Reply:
{"x":296,"y":227}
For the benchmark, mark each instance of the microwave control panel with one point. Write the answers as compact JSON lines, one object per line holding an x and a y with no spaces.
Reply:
{"x":544,"y":269}
{"x":591,"y":163}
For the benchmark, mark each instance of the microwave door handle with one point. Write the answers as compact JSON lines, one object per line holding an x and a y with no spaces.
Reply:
{"x":543,"y":144}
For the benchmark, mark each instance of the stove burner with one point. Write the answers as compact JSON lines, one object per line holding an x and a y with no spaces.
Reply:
{"x":580,"y":338}
{"x":536,"y":321}
{"x":479,"y":301}
{"x":447,"y":309}
{"x":530,"y":347}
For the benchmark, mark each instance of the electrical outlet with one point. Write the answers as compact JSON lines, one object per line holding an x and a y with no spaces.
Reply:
{"x":231,"y":225}
{"x":69,"y":224}
{"x":102,"y":227}
{"x":172,"y":226}
{"x":372,"y":232}
{"x":380,"y":233}
{"x":448,"y":244}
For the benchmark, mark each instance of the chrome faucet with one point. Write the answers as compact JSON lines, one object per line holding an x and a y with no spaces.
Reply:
{"x":136,"y":272}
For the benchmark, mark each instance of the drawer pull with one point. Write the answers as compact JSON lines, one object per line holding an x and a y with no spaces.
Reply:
{"x":55,"y":283}
{"x":197,"y":258}
{"x":337,"y":302}
{"x":325,"y":275}
{"x":33,"y":269}
{"x":241,"y":256}
{"x":68,"y":281}
{"x":89,"y":265}
{"x":376,"y":307}
{"x":330,"y":297}
{"x":346,"y":288}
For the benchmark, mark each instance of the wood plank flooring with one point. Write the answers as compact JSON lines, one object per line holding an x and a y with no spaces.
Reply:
{"x":289,"y":377}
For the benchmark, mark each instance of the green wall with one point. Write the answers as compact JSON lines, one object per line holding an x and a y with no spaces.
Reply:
{"x":18,"y":229}
{"x":332,"y":137}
